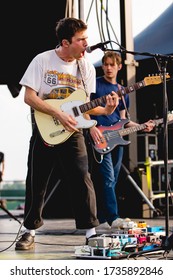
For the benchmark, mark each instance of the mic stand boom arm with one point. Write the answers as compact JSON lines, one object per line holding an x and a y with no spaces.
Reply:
{"x":159,"y":56}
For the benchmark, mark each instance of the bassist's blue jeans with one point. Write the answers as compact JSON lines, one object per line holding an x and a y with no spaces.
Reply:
{"x":105,"y":184}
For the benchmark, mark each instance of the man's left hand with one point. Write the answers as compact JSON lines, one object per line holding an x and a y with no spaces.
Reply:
{"x":149,"y":125}
{"x":112,"y":101}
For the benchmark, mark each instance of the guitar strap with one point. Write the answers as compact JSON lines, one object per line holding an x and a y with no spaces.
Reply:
{"x":87,"y":134}
{"x":124,"y":102}
{"x":79,"y":61}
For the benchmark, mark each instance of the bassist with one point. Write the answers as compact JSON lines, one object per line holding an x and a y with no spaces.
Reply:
{"x":108,"y":169}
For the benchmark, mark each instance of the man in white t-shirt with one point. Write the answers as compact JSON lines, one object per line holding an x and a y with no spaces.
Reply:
{"x":66,"y":75}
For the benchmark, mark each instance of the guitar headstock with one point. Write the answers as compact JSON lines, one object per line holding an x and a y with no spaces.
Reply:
{"x":154,"y":80}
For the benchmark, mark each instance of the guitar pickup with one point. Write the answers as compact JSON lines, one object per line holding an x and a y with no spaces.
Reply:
{"x":56,"y":133}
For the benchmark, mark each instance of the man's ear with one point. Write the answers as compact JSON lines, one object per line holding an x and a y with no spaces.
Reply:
{"x":65,"y":43}
{"x":120,"y":67}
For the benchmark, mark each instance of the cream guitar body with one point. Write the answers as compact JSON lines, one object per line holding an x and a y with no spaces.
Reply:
{"x":51,"y":130}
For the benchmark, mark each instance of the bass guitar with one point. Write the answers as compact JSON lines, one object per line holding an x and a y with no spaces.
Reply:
{"x":113,"y":135}
{"x":52,"y":131}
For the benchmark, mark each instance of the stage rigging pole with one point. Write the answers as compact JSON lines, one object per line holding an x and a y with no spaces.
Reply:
{"x":129,"y":72}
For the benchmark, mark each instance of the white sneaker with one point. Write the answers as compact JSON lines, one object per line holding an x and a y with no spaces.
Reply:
{"x":104,"y":226}
{"x":128,"y":224}
{"x":117,"y":223}
{"x":123,"y":223}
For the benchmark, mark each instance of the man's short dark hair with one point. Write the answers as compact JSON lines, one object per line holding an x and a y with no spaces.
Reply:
{"x":67,"y":27}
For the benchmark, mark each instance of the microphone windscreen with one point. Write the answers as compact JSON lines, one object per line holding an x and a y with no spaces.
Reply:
{"x":88,"y":49}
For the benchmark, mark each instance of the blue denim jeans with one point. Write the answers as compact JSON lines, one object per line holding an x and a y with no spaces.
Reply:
{"x":109,"y":168}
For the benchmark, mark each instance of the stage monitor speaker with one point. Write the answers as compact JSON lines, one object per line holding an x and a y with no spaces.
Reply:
{"x":147,"y":147}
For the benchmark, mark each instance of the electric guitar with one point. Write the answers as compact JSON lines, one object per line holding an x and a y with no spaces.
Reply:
{"x":113,"y":135}
{"x":52,"y":131}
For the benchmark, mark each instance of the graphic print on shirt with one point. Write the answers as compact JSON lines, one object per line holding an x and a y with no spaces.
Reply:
{"x":65,"y":83}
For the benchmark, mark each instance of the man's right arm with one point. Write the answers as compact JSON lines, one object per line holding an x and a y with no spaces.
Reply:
{"x":40,"y":105}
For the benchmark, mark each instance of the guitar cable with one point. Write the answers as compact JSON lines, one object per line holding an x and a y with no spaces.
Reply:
{"x":95,"y":155}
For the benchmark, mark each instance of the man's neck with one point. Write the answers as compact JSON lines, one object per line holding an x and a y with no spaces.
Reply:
{"x":63,"y":55}
{"x":110,"y":80}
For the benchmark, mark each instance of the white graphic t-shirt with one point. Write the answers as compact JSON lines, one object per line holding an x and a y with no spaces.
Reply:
{"x":51,"y":77}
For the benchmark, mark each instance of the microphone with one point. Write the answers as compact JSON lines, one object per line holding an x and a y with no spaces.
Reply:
{"x":89,"y":49}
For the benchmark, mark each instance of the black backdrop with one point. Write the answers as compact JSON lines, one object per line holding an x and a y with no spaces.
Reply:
{"x":27,"y":28}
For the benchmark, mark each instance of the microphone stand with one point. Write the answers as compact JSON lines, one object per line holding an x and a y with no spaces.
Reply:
{"x":8,"y":212}
{"x":167,"y":242}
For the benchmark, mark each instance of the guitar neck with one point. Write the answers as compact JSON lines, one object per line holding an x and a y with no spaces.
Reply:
{"x":102,"y":100}
{"x":153,"y":80}
{"x":131,"y":88}
{"x":129,"y":130}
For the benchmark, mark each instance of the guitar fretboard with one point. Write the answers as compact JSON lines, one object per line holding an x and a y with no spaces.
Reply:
{"x":129,"y":130}
{"x":131,"y":88}
{"x":102,"y":100}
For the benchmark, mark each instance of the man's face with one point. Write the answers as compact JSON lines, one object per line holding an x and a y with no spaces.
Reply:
{"x":110,"y":68}
{"x":78,"y":44}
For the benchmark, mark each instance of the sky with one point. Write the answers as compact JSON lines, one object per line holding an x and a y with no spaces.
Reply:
{"x":15,"y":121}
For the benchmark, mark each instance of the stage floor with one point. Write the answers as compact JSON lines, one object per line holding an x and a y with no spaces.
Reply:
{"x":56,"y":239}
